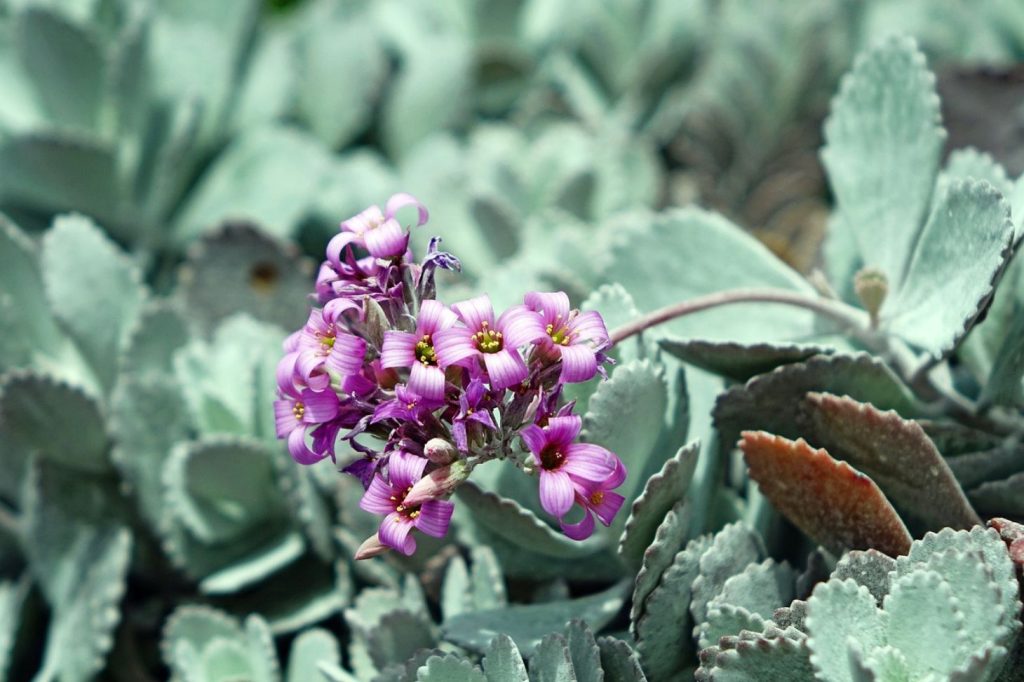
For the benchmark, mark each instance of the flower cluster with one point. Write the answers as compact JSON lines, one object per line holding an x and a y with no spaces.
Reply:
{"x":424,"y":392}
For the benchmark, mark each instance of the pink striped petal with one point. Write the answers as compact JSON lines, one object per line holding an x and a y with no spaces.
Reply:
{"x":427,"y":381}
{"x":337,"y":245}
{"x":377,"y":498}
{"x":552,"y":306}
{"x":298,"y":449}
{"x":475,"y":311}
{"x":519,"y":326}
{"x":608,"y":507}
{"x":556,"y":492}
{"x":284,"y":418}
{"x":387,"y":241}
{"x":337,"y":307}
{"x":394,"y":532}
{"x":310,"y":366}
{"x":590,"y":463}
{"x":535,"y":440}
{"x":398,"y":349}
{"x":400,"y":201}
{"x":454,"y":346}
{"x":286,"y":374}
{"x":578,"y":364}
{"x":505,"y":368}
{"x":579,"y":531}
{"x":347,"y":355}
{"x":589,"y":327}
{"x":434,"y":517}
{"x":291,"y":343}
{"x":320,"y":406}
{"x":433,"y":317}
{"x":562,"y":431}
{"x":363,"y":221}
{"x":405,"y":469}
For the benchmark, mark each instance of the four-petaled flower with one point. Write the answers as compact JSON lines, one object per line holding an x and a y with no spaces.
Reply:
{"x":298,"y":411}
{"x":496,"y":342}
{"x":600,"y":500}
{"x":388,"y":497}
{"x":561,"y":463}
{"x":377,"y":231}
{"x":402,"y":349}
{"x":570,"y":335}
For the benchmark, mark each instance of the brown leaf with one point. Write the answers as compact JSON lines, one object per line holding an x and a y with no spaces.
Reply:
{"x":833,"y":503}
{"x":896,"y":453}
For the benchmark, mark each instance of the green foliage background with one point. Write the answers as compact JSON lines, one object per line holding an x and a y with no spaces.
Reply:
{"x":170,"y":172}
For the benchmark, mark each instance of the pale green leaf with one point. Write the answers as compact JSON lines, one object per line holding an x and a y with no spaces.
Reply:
{"x":502,"y":661}
{"x":837,"y":611}
{"x":310,"y":650}
{"x":449,"y":668}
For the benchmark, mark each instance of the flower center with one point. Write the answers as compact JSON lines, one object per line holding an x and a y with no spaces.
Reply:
{"x":408,"y":512}
{"x":425,"y":351}
{"x":551,"y":458}
{"x":487,"y":340}
{"x":327,"y":338}
{"x":559,"y":331}
{"x":298,"y":409}
{"x":597,"y":497}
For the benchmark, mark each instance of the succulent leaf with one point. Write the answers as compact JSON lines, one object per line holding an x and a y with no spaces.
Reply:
{"x":502,"y":661}
{"x":739,"y":361}
{"x":310,"y":650}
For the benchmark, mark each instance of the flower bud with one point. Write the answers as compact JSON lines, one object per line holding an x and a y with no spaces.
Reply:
{"x":440,"y":451}
{"x":371,"y":547}
{"x":438,"y":483}
{"x":871,"y":286}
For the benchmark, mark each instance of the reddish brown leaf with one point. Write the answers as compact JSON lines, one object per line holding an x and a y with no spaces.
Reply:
{"x":896,"y":453}
{"x":1012,"y":534}
{"x":836,"y":505}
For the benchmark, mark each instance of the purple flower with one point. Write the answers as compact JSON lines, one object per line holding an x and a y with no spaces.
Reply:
{"x":388,"y":497}
{"x":298,"y":411}
{"x":571,"y":336}
{"x":598,"y":499}
{"x":402,"y":349}
{"x":377,"y":231}
{"x":470,"y":409}
{"x":407,"y":406}
{"x":496,"y":343}
{"x":322,"y":345}
{"x":563,"y":463}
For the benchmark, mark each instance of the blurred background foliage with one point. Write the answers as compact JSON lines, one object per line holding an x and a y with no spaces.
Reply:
{"x":208,"y":151}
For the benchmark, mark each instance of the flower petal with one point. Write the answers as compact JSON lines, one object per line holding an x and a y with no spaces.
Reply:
{"x":398,"y":349}
{"x":578,"y":364}
{"x":556,"y":492}
{"x":310,"y":366}
{"x":337,"y":245}
{"x":562,"y":431}
{"x":386,"y":241}
{"x":454,"y":346}
{"x":427,"y":381}
{"x":298,"y":449}
{"x":519,"y":326}
{"x":286,"y":375}
{"x":401,"y":200}
{"x":588,"y":462}
{"x":433,"y":317}
{"x":394,"y":532}
{"x":434,"y":517}
{"x":284,"y":418}
{"x":377,"y":498}
{"x":405,"y":469}
{"x":579,"y":531}
{"x":589,"y":327}
{"x":475,"y":311}
{"x":505,"y":368}
{"x":363,"y":221}
{"x":335,"y":308}
{"x":552,"y":306}
{"x":319,"y":406}
{"x":608,"y":507}
{"x":347,"y":355}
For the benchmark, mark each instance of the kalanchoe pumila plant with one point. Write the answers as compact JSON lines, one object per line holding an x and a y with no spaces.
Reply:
{"x":423,"y":392}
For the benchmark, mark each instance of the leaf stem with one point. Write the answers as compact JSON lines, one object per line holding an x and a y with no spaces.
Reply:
{"x":837,"y":311}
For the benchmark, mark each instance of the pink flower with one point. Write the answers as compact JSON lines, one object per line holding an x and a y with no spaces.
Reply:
{"x":563,"y":464}
{"x":322,"y":345}
{"x":388,"y":497}
{"x":402,"y":349}
{"x":571,"y":336}
{"x":599,"y":500}
{"x":497,"y":343}
{"x":300,"y":410}
{"x":377,"y":231}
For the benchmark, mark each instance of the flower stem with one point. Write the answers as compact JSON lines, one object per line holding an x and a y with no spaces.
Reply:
{"x":848,"y":317}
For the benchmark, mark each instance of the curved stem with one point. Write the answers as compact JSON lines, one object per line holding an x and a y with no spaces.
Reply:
{"x":836,"y":311}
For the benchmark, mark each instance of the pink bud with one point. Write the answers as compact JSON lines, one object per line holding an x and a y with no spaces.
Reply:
{"x":371,"y":547}
{"x":440,"y":451}
{"x":438,"y":483}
